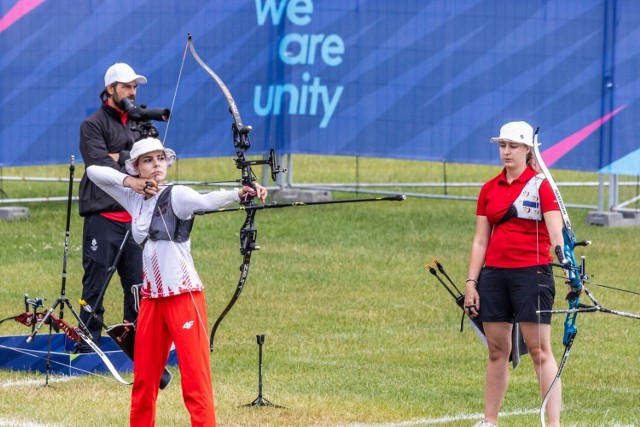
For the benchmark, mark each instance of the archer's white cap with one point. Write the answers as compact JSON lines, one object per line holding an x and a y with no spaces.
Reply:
{"x":123,"y":73}
{"x":143,"y":147}
{"x":519,"y":132}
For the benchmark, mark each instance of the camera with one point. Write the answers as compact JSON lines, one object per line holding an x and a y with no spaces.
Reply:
{"x":141,"y":113}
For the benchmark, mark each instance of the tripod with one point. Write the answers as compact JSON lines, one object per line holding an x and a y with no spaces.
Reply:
{"x":261,"y":401}
{"x":62,"y":300}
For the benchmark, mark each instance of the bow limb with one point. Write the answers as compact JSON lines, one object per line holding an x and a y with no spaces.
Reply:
{"x":575,"y":276}
{"x":244,"y":271}
{"x":103,"y":357}
{"x":78,"y":334}
{"x":233,"y":109}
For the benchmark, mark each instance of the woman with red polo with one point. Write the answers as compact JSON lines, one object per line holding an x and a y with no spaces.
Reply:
{"x":518,"y":222}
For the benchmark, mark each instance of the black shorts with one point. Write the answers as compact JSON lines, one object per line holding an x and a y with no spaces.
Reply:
{"x":515,"y":294}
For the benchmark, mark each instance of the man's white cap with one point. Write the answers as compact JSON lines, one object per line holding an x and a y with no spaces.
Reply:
{"x":122,"y":73}
{"x":519,"y":132}
{"x":144,"y":146}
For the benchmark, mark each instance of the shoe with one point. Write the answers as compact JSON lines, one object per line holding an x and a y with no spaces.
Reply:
{"x":483,"y":423}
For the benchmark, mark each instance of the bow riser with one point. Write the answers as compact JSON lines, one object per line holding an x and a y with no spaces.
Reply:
{"x":574,"y":278}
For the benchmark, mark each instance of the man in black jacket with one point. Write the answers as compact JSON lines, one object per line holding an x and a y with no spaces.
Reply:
{"x":106,"y":137}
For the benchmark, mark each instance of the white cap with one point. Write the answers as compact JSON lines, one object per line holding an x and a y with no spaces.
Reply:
{"x":519,"y":132}
{"x":143,"y":147}
{"x":123,"y":73}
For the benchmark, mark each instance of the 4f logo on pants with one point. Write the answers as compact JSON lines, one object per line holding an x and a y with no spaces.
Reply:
{"x":188,"y":324}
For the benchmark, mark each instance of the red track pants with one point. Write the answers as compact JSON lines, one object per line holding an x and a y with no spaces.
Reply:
{"x":182,"y":320}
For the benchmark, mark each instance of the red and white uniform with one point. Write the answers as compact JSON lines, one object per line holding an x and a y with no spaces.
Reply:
{"x":518,"y":242}
{"x":173,"y":309}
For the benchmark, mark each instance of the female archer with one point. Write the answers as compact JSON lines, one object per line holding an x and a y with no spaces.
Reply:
{"x":518,"y":222}
{"x":173,"y":308}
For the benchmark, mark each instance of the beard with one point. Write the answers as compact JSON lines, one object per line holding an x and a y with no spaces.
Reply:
{"x":117,"y":101}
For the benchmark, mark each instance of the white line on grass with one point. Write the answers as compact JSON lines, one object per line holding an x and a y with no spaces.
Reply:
{"x":17,"y":423}
{"x":441,"y":420}
{"x":34,"y":382}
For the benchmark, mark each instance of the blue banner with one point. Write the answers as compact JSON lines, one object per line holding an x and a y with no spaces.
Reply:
{"x":412,"y":79}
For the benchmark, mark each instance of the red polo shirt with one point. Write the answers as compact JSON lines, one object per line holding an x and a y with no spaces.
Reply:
{"x":517,"y":242}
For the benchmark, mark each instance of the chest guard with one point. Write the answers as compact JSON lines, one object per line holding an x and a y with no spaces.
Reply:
{"x":527,"y":205}
{"x":528,"y":202}
{"x":165,"y":225}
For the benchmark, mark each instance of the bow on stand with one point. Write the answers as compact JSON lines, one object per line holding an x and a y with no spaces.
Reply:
{"x":36,"y":318}
{"x":248,"y":231}
{"x":32,"y":318}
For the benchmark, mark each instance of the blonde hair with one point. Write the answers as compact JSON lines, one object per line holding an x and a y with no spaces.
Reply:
{"x":532,"y":162}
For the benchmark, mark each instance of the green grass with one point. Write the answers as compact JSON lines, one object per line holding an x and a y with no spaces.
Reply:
{"x":357,"y":331}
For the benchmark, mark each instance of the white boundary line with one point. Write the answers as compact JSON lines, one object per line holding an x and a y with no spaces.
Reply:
{"x":441,"y":420}
{"x":10,"y":422}
{"x":16,"y":423}
{"x":35,"y":382}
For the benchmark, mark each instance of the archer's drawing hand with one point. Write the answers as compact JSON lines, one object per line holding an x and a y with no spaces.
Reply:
{"x":146,"y":187}
{"x":259,"y":191}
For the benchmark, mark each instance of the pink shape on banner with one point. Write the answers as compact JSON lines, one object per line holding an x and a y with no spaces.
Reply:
{"x":555,"y":153}
{"x":20,"y":9}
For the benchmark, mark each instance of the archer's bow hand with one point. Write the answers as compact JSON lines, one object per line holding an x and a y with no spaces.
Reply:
{"x":564,"y":262}
{"x":573,"y":291}
{"x":247,"y":192}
